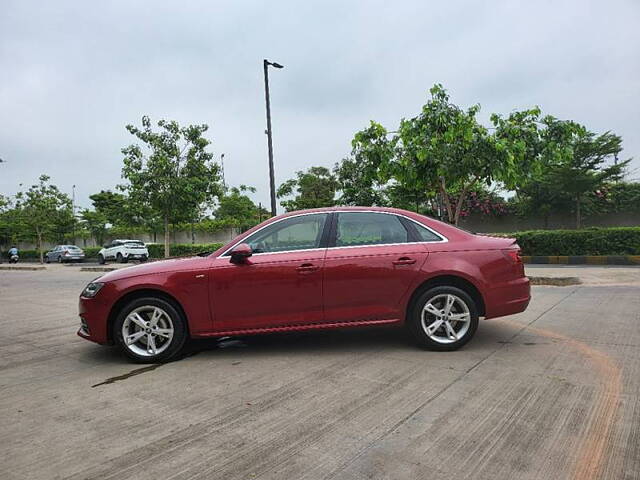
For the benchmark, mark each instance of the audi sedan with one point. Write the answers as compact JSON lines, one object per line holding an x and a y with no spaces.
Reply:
{"x":312,"y":270}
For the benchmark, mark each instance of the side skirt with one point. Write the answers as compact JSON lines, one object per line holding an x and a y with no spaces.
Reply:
{"x":296,"y":328}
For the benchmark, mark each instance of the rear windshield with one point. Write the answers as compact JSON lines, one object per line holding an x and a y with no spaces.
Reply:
{"x":72,"y":247}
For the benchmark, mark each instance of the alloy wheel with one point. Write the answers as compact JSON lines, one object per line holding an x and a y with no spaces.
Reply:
{"x":147,"y":331}
{"x":445,"y":318}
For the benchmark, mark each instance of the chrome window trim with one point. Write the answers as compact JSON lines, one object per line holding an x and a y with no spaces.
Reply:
{"x":273,"y":223}
{"x":443,"y":239}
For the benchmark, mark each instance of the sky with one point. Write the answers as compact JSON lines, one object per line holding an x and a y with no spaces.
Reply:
{"x":73,"y":74}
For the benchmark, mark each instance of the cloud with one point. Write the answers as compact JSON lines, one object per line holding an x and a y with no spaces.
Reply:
{"x":73,"y":74}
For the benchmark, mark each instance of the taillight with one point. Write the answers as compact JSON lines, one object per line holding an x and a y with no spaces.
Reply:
{"x":513,"y":255}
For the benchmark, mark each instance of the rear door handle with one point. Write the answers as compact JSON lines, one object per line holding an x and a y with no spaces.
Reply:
{"x":307,"y":268}
{"x":404,"y":261}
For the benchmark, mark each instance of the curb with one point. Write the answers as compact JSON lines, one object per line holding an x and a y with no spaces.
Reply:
{"x":555,"y":281}
{"x":99,"y":269}
{"x":23,"y":267}
{"x":583,"y":259}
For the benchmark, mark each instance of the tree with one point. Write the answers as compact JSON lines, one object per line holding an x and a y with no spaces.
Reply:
{"x":558,"y":162}
{"x":234,"y":205}
{"x":585,"y":171}
{"x":43,"y":208}
{"x":359,"y":175}
{"x":174,"y":175}
{"x":442,"y":151}
{"x":311,"y":189}
{"x":96,"y":223}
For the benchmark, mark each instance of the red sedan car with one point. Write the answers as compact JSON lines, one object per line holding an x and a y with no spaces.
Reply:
{"x":313,"y":269}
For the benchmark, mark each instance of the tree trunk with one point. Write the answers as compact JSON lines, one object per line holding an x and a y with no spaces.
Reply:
{"x":40,"y":246}
{"x":459,"y":203}
{"x":166,"y":236}
{"x":445,"y":199}
{"x":578,"y":213}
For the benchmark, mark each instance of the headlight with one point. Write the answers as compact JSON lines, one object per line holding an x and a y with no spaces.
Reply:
{"x":92,"y":289}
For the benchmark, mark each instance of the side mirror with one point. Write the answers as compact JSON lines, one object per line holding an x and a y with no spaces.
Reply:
{"x":240,"y":253}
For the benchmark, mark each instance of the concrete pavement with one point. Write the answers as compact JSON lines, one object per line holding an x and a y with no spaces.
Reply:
{"x":550,"y":393}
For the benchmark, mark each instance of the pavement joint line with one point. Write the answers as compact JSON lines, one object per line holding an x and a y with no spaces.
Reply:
{"x":440,"y":392}
{"x":599,"y":425}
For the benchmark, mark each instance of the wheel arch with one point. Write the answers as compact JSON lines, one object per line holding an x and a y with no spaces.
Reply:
{"x":449,"y":280}
{"x":140,"y":293}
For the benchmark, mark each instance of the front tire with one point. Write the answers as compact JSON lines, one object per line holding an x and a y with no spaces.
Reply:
{"x":443,"y":318}
{"x":59,"y":259}
{"x":119,"y":258}
{"x":150,"y":330}
{"x":101,"y":259}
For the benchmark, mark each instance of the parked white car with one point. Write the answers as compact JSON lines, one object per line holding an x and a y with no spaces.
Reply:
{"x":124,"y":250}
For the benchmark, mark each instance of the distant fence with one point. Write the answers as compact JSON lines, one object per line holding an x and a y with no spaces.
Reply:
{"x":222,"y":236}
{"x":564,"y":220}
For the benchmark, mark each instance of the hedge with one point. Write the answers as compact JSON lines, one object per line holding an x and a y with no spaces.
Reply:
{"x":591,"y":241}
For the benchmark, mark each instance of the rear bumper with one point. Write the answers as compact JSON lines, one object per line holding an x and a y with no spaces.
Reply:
{"x":508,"y":298}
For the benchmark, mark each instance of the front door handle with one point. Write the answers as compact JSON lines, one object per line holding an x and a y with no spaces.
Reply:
{"x":404,"y":261}
{"x":307,"y":268}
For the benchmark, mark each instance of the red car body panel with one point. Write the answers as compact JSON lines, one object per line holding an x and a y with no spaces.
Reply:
{"x":319,"y":288}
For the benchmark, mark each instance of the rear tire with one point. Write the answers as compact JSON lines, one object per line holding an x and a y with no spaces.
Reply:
{"x":135,"y":323}
{"x":443,"y":318}
{"x":47,"y":259}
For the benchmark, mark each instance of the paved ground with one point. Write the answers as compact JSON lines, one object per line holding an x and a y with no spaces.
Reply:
{"x":551,"y":393}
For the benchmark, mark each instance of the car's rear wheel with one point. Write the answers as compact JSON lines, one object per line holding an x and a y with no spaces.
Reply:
{"x":100,"y":259}
{"x":443,"y":318}
{"x":150,"y":330}
{"x":47,"y":259}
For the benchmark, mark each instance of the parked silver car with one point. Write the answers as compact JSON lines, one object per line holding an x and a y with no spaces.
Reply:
{"x":64,"y":253}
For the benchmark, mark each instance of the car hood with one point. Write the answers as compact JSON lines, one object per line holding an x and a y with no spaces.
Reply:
{"x":163,"y":266}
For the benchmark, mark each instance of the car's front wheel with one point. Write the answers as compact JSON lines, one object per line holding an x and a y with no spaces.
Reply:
{"x":443,"y":318}
{"x":101,"y":259}
{"x":150,"y":330}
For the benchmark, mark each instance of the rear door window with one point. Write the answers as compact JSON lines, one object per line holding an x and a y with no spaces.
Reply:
{"x":369,"y":228}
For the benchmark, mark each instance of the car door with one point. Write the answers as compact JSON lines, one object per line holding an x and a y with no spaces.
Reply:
{"x":280,"y":284}
{"x":110,"y":251}
{"x":371,"y":266}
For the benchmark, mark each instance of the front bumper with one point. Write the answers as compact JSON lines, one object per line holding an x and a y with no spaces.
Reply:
{"x":94,"y":319}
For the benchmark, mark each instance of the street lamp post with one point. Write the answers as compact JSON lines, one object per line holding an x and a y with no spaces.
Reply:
{"x":224,"y":185}
{"x":272,"y":180}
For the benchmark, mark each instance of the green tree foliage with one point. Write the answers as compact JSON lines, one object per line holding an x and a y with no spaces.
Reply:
{"x":311,"y":189}
{"x":236,"y":206}
{"x":172,"y":173}
{"x":44,"y":211}
{"x":359,"y":178}
{"x":95,"y":222}
{"x":585,"y":171}
{"x":560,"y":164}
{"x":443,"y":150}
